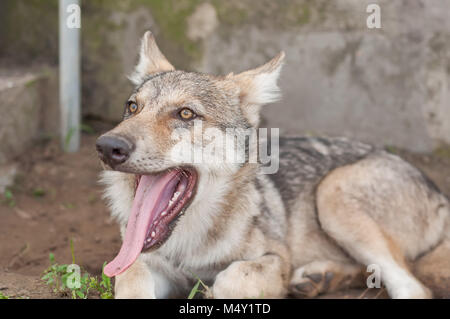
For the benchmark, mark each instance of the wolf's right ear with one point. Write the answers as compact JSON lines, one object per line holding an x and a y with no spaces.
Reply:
{"x":151,"y":60}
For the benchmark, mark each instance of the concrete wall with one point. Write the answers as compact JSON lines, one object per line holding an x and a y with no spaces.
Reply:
{"x":29,"y":113}
{"x":386,"y":86}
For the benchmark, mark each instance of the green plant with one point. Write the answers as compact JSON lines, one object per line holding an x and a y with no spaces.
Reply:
{"x":196,"y":289}
{"x":68,"y":137}
{"x":391,"y":149}
{"x":86,"y":128}
{"x":65,"y":280}
{"x":39,"y":192}
{"x":2,"y":296}
{"x":104,"y":287}
{"x":9,"y":198}
{"x":68,"y":205}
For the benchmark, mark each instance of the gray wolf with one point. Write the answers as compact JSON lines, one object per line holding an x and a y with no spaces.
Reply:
{"x":334,"y":207}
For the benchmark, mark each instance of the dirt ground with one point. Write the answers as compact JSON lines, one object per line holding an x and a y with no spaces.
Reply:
{"x":57,"y":198}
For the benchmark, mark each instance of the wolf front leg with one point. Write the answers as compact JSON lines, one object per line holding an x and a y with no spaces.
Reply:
{"x":264,"y":277}
{"x":136,"y":282}
{"x":141,"y":282}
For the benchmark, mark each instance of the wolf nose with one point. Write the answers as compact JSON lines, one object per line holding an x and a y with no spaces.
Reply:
{"x":114,"y":150}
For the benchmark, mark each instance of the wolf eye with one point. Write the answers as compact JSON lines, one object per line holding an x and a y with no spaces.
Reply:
{"x":132,"y":107}
{"x":187,"y":114}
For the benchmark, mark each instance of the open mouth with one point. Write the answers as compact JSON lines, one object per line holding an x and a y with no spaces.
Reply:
{"x":160,"y":199}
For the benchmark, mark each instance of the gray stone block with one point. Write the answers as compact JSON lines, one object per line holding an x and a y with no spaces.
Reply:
{"x":29,"y":110}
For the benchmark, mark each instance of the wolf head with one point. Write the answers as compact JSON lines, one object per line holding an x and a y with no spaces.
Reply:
{"x":169,"y":114}
{"x":166,"y":100}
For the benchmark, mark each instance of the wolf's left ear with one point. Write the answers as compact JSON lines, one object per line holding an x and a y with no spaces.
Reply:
{"x":259,"y":87}
{"x":151,"y":60}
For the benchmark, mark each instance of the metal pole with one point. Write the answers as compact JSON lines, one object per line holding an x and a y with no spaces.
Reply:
{"x":69,"y":74}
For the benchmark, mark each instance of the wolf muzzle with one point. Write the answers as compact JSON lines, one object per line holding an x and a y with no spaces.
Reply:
{"x":114,"y":150}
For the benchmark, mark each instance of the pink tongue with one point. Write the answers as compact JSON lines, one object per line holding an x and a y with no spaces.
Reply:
{"x":144,"y":208}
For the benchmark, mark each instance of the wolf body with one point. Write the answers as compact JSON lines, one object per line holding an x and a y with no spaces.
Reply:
{"x":334,"y":207}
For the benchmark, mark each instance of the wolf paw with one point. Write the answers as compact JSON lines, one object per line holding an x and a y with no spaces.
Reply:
{"x":259,"y":278}
{"x":321,"y":277}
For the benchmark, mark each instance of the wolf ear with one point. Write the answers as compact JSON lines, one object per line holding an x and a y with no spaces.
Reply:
{"x":151,"y":60}
{"x":259,"y":87}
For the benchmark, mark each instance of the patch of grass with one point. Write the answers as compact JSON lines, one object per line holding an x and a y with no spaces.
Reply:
{"x":39,"y":192}
{"x":2,"y":296}
{"x":391,"y":149}
{"x":442,"y":152}
{"x":70,"y":280}
{"x":8,"y":198}
{"x":86,"y":128}
{"x":68,"y":205}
